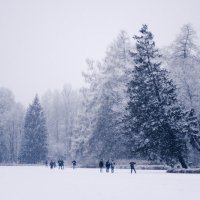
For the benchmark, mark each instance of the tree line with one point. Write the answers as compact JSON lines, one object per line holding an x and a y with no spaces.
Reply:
{"x":139,"y":102}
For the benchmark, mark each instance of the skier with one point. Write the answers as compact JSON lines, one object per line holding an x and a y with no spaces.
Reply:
{"x":46,"y":163}
{"x":132,"y":165}
{"x":107,"y":166}
{"x":74,"y":164}
{"x":112,"y":165}
{"x":101,"y":164}
{"x":51,"y":164}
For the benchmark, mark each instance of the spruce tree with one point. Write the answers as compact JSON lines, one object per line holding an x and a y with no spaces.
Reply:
{"x":34,"y":142}
{"x":192,"y":128}
{"x":154,"y":123}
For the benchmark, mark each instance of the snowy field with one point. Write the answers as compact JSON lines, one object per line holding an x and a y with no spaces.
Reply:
{"x":41,"y":183}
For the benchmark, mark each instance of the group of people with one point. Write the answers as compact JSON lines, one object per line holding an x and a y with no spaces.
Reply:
{"x":61,"y":164}
{"x":52,"y":164}
{"x":108,"y":165}
{"x":111,"y":165}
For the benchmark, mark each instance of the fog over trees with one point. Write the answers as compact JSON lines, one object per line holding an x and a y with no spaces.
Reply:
{"x":138,"y":102}
{"x":11,"y":126}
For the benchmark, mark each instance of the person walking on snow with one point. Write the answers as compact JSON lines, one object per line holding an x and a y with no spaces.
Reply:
{"x":101,"y":164}
{"x":74,"y":164}
{"x":107,"y":166}
{"x":51,"y":164}
{"x":132,"y":165}
{"x":112,"y":165}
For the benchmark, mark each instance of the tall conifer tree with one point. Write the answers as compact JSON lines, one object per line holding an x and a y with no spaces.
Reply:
{"x":154,"y":124}
{"x":34,"y":143}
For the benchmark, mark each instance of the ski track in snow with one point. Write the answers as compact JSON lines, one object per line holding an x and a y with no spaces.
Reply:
{"x":41,"y":183}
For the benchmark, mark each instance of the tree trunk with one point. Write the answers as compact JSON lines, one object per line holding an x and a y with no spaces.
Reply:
{"x":182,"y":162}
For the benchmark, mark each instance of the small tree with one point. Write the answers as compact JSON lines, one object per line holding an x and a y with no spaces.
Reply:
{"x":34,"y":142}
{"x":154,"y":125}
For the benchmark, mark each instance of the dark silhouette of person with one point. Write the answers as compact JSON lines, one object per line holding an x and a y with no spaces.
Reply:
{"x":54,"y":164}
{"x":59,"y":164}
{"x":51,"y":164}
{"x":112,"y":165}
{"x":62,"y":164}
{"x":101,"y":165}
{"x":46,"y":163}
{"x":132,"y":165}
{"x":107,"y":166}
{"x":74,"y":164}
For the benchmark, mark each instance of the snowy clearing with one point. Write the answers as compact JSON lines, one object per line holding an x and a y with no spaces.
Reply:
{"x":41,"y":183}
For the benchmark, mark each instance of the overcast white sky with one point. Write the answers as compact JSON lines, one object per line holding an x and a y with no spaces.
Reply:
{"x":44,"y":43}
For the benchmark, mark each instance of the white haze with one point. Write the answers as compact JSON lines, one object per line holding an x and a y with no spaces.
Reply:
{"x":44,"y":43}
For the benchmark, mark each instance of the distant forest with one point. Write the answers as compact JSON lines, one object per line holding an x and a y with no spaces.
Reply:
{"x":139,"y":102}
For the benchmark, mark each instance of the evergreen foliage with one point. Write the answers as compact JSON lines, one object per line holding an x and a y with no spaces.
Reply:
{"x":129,"y":107}
{"x":154,"y":125}
{"x":193,"y":129}
{"x":34,"y":143}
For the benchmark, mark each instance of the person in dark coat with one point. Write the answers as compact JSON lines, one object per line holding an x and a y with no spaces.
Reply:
{"x":74,"y":164}
{"x":62,"y":164}
{"x":132,"y":165}
{"x":59,"y":164}
{"x":54,"y":164}
{"x":101,"y":165}
{"x":51,"y":164}
{"x":107,"y":166}
{"x":112,"y":165}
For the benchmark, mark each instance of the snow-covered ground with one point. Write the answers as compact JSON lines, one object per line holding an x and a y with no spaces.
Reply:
{"x":41,"y":183}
